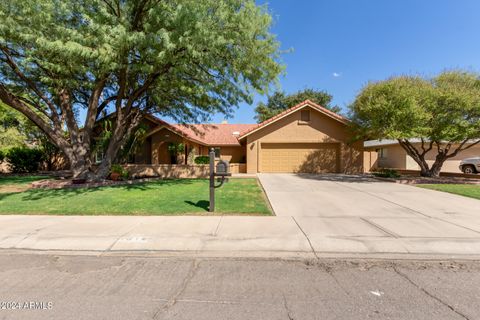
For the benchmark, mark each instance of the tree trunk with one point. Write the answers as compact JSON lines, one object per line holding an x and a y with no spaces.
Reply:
{"x":437,"y":165}
{"x":119,"y":137}
{"x":419,"y":158}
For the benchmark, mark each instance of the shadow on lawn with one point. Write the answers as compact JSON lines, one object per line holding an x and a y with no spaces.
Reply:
{"x":202,"y":204}
{"x":38,"y":194}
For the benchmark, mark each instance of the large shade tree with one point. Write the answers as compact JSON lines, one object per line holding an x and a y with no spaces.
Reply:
{"x":439,"y":115}
{"x":280,"y":101}
{"x":63,"y":63}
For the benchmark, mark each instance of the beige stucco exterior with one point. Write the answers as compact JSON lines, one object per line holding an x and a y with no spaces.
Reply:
{"x":314,"y":135}
{"x":154,"y":151}
{"x":396,"y":157}
{"x":286,"y":143}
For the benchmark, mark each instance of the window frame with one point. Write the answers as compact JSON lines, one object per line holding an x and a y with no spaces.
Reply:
{"x":383,"y":153}
{"x":218,"y":152}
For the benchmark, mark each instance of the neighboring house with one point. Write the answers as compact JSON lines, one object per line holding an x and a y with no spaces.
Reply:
{"x":304,"y":138}
{"x":389,"y":154}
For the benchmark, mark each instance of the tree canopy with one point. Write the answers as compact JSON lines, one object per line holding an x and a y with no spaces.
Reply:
{"x":442,"y":112}
{"x":15,"y":129}
{"x":280,"y":101}
{"x":63,"y":63}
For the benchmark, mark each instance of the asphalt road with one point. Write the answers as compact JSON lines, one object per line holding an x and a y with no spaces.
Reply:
{"x":119,"y":287}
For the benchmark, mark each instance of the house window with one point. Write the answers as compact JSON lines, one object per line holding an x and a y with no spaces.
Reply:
{"x":305,"y":115}
{"x":217,"y":152}
{"x":383,"y":153}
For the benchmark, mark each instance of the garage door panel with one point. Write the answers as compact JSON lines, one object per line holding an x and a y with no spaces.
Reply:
{"x":300,"y":157}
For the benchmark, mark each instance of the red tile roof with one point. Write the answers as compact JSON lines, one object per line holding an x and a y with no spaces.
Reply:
{"x":324,"y":110}
{"x":230,"y":134}
{"x":214,"y":134}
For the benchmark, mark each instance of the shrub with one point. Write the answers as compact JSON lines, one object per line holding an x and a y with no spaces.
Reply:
{"x":387,"y":173}
{"x":2,"y":156}
{"x":24,"y":160}
{"x":116,"y":168}
{"x":202,"y":160}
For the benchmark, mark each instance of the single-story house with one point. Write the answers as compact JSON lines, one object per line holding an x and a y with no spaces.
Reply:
{"x":389,"y":154}
{"x":304,"y":138}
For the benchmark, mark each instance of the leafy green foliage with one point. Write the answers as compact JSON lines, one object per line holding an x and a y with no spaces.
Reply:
{"x":186,"y":59}
{"x":442,"y":112}
{"x":116,"y":168}
{"x":202,"y":160}
{"x":280,"y":101}
{"x":24,"y":160}
{"x":386,"y":173}
{"x":134,"y":143}
{"x":175,"y":148}
{"x":15,"y":129}
{"x":445,"y":108}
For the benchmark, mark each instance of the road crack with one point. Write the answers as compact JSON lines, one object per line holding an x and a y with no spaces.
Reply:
{"x":174,"y":299}
{"x":287,"y":308}
{"x":431,"y":295}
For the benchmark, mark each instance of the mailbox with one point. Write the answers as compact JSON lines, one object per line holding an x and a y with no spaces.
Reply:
{"x":222,"y":171}
{"x":223,"y":168}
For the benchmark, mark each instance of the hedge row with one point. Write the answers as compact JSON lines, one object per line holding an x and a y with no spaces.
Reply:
{"x":22,"y":159}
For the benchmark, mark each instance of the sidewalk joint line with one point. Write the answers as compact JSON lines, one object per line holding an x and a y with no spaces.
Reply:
{"x":455,"y":224}
{"x":389,"y":201}
{"x":309,"y":242}
{"x":218,"y":226}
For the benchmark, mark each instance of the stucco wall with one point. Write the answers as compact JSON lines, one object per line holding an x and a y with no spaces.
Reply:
{"x":320,"y":129}
{"x":233,"y":154}
{"x":168,"y":171}
{"x":395,"y":158}
{"x":4,"y":167}
{"x":370,"y":160}
{"x":176,"y":170}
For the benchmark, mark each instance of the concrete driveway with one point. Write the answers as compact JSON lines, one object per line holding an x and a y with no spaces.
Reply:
{"x":356,"y":213}
{"x":303,"y":195}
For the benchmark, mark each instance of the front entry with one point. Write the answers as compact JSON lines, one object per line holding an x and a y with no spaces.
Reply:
{"x":300,"y":157}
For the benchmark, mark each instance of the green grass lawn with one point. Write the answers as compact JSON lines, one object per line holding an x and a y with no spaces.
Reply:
{"x":467,"y":190}
{"x":162,"y":197}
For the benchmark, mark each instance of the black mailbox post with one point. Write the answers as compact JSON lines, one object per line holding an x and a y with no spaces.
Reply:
{"x":222,"y":171}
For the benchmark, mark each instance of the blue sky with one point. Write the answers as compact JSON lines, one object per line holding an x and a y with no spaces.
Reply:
{"x":340,"y":45}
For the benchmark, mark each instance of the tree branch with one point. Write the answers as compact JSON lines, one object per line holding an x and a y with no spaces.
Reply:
{"x":93,"y":108}
{"x":14,"y":102}
{"x":460,"y":147}
{"x":30,"y":84}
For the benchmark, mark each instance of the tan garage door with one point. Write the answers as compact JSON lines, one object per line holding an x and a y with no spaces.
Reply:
{"x":299,"y":157}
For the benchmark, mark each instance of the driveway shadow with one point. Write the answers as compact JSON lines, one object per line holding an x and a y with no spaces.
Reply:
{"x":337,"y":177}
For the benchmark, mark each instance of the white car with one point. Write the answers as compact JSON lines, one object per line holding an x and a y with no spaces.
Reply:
{"x":470,"y":165}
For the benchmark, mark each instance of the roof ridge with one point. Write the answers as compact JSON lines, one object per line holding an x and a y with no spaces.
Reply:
{"x":295,"y":107}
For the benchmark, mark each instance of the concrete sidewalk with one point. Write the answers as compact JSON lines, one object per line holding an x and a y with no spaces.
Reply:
{"x":245,"y":236}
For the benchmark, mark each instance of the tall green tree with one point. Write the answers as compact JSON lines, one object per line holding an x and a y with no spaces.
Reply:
{"x":440,"y":114}
{"x":64,"y":62}
{"x":15,"y":129}
{"x":280,"y":101}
